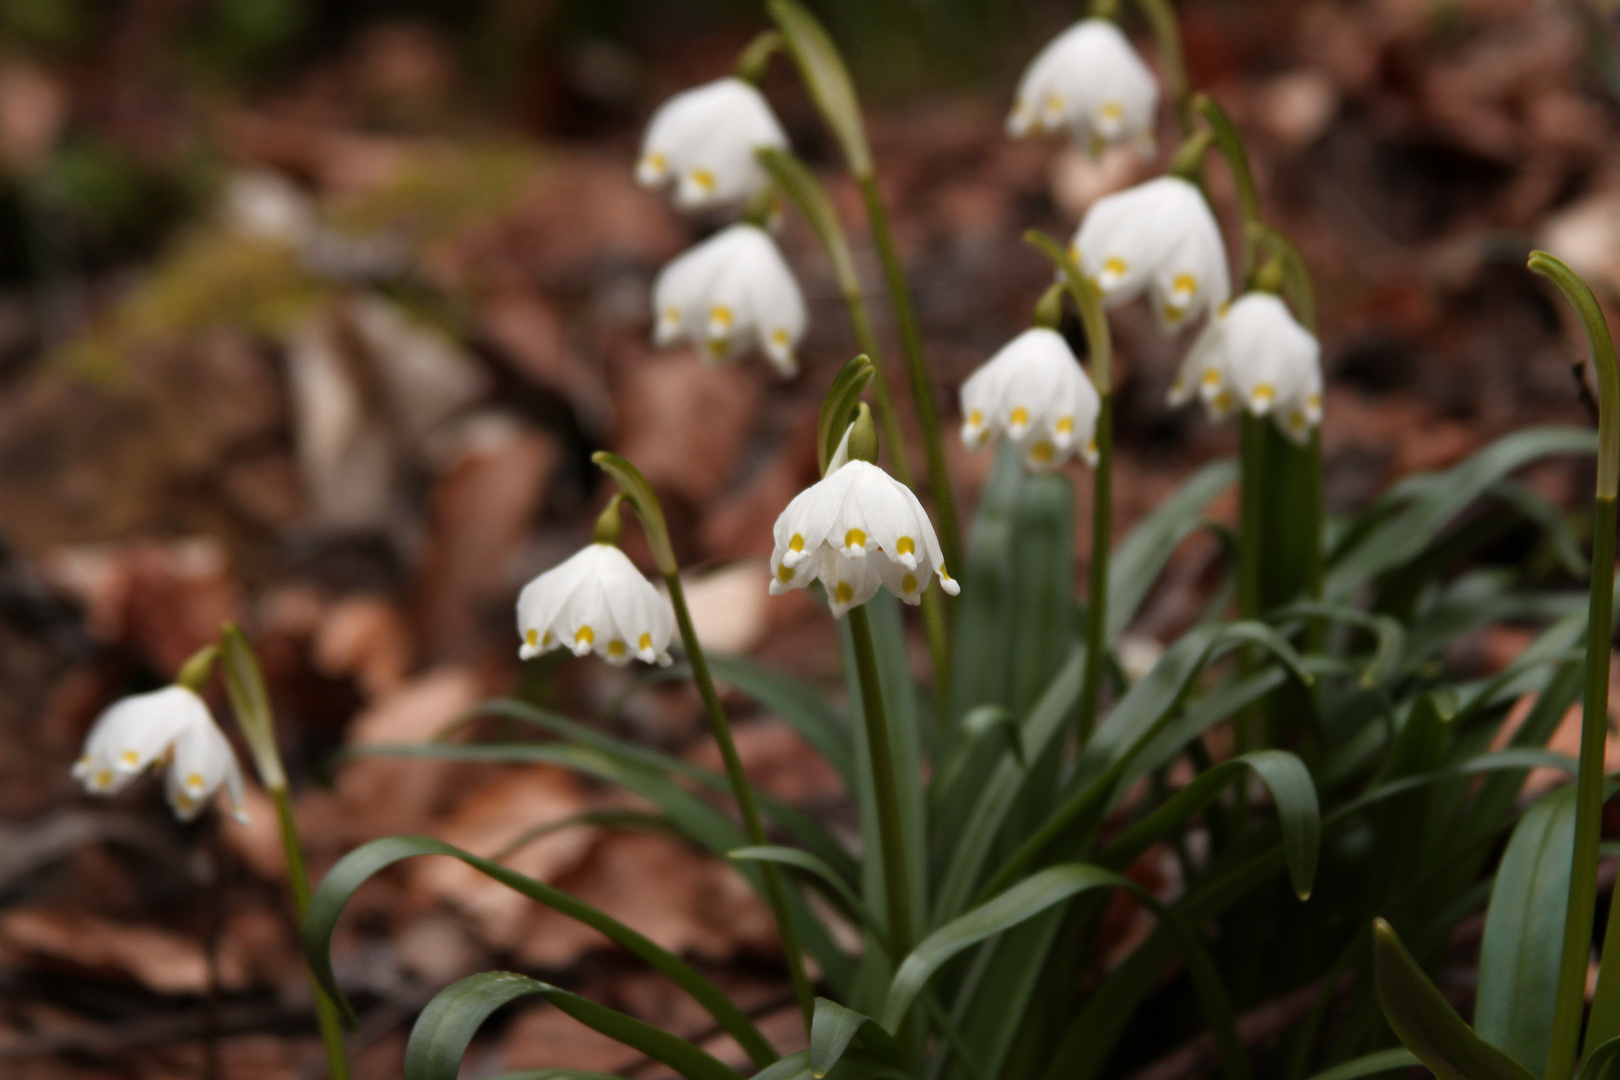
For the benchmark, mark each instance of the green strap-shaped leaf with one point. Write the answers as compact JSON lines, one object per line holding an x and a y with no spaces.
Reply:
{"x":833,"y":887}
{"x":1381,"y":1061}
{"x":797,"y":703}
{"x":796,"y":180}
{"x":358,"y":867}
{"x":439,"y":1039}
{"x":1297,"y":810}
{"x":838,"y":407}
{"x":1427,"y":1024}
{"x":1039,"y":893}
{"x":1137,"y":563}
{"x":1524,"y":929}
{"x":1389,"y":635}
{"x":835,"y":1027}
{"x":1600,"y":1063}
{"x":827,"y":79}
{"x":1427,"y":502}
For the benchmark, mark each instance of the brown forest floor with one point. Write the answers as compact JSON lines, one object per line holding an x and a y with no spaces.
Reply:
{"x":161,"y":470}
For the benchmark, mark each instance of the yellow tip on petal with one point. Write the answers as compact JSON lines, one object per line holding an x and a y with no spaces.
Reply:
{"x":644,"y":642}
{"x":1264,"y":394}
{"x":1064,"y":426}
{"x":130,"y":757}
{"x":909,"y":583}
{"x":1113,"y":267}
{"x":1018,"y":417}
{"x":784,"y":573}
{"x":721,"y":314}
{"x":531,"y":637}
{"x":905,"y":546}
{"x":1186,"y":284}
{"x":194,"y":781}
{"x":1042,"y":452}
{"x":855,"y":538}
{"x":1212,"y":376}
{"x":585,"y":634}
{"x":617,"y":648}
{"x":704,"y":179}
{"x":797,"y":543}
{"x":843,"y":594}
{"x":1111,"y":110}
{"x":975,"y":417}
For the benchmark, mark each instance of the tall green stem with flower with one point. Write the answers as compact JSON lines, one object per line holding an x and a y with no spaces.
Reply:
{"x":244,"y":681}
{"x":828,"y":81}
{"x":1100,"y":352}
{"x":1573,"y":960}
{"x":634,"y":487}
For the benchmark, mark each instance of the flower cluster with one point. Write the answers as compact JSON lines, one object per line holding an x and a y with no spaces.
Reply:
{"x":170,"y":726}
{"x":733,"y":292}
{"x":1159,"y":238}
{"x":857,"y":529}
{"x":1035,"y":393}
{"x":596,"y":601}
{"x":1254,"y":355}
{"x":1090,"y":82}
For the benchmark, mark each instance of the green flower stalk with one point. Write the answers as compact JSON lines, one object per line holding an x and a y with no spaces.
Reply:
{"x":244,"y":681}
{"x":1573,"y":960}
{"x":633,"y":486}
{"x":828,"y":81}
{"x":1100,"y":352}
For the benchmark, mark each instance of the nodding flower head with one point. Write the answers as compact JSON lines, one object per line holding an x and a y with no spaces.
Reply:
{"x":730,"y":293}
{"x":702,"y":141}
{"x":1159,"y":238}
{"x":597,"y":602}
{"x":1253,"y":355}
{"x":171,"y":726}
{"x":1034,"y":392}
{"x":1089,"y":81}
{"x":856,"y":529}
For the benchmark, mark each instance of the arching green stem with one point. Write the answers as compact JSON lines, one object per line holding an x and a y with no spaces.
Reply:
{"x":800,"y":185}
{"x":244,"y":682}
{"x":1172,"y":62}
{"x":1100,"y":349}
{"x":1230,"y":145}
{"x":827,"y":78}
{"x":1573,"y":960}
{"x":639,"y":493}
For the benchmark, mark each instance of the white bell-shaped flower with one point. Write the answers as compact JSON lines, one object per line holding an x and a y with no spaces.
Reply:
{"x":1090,"y":81}
{"x":703,"y":140}
{"x":1159,"y":238}
{"x":1034,"y":392}
{"x":1254,"y":355}
{"x":856,"y":529}
{"x":596,"y":601}
{"x":171,"y":725}
{"x":731,"y":292}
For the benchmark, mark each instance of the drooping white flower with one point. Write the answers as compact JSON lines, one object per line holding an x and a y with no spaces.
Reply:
{"x":1254,"y":355}
{"x":171,"y":725}
{"x":1090,"y":81}
{"x":856,"y":529}
{"x":595,"y":601}
{"x":729,"y":293}
{"x":1159,"y":238}
{"x":1035,"y":393}
{"x":703,"y":140}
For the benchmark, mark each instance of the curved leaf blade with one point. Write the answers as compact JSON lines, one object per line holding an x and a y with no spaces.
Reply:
{"x":361,"y":864}
{"x":439,"y":1040}
{"x":1381,"y":1061}
{"x":834,"y":1027}
{"x":1427,"y":1024}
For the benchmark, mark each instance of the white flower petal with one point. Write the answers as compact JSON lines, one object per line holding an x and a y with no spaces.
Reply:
{"x":703,"y":141}
{"x":728,"y":294}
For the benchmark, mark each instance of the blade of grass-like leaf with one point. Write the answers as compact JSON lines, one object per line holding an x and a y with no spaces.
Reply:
{"x":835,"y":1027}
{"x":696,"y":819}
{"x":1600,"y":1063}
{"x":1043,"y":586}
{"x":1132,"y":726}
{"x":984,"y":610}
{"x":979,"y":829}
{"x":1387,"y":632}
{"x":1086,"y":1044}
{"x":610,"y":819}
{"x":1427,"y":1024}
{"x":1381,"y":1061}
{"x":833,"y":887}
{"x":796,"y":702}
{"x":1552,"y":520}
{"x":1429,"y":501}
{"x":804,"y":828}
{"x":439,"y":1040}
{"x":1138,"y":562}
{"x":1524,"y":928}
{"x":1291,"y":787}
{"x":1039,"y":893}
{"x":361,"y":864}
